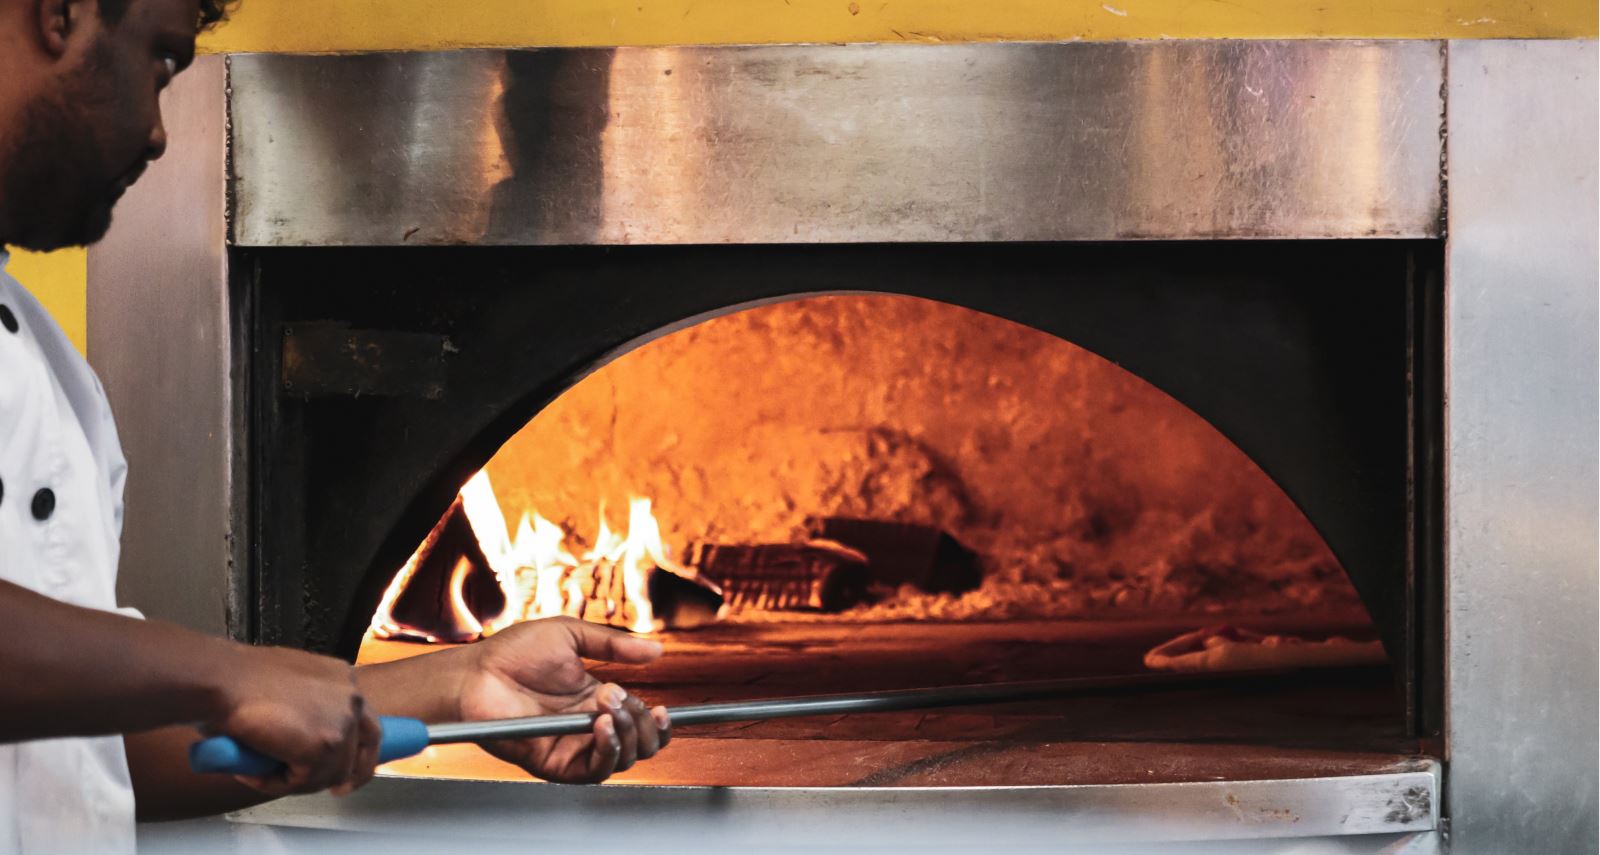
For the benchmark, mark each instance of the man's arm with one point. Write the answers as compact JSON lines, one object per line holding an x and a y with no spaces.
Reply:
{"x":530,"y":669}
{"x":79,"y":672}
{"x":71,"y":671}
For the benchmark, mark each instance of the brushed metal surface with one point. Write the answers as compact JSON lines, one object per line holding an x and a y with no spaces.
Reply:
{"x":1521,"y":445}
{"x":240,"y":839}
{"x":158,"y":336}
{"x":855,"y":143}
{"x":874,"y":818}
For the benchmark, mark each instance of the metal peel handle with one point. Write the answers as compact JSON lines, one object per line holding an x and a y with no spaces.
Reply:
{"x":403,"y":737}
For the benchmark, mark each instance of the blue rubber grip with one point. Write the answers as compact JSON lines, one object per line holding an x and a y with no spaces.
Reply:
{"x":402,"y":737}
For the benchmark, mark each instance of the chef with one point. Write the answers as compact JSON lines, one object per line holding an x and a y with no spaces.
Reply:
{"x":98,"y":707}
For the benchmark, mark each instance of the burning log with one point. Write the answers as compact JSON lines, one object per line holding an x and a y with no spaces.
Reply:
{"x":817,"y":575}
{"x":471,"y":577}
{"x":906,"y":553}
{"x":451,"y":591}
{"x":596,"y":591}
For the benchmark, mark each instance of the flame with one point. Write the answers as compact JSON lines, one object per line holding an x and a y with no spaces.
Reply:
{"x":383,"y":625}
{"x":483,"y":511}
{"x":541,"y":577}
{"x":640,"y":552}
{"x":458,"y":601}
{"x":541,"y":548}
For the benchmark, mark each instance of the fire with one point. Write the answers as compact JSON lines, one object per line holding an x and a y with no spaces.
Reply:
{"x":610,"y":583}
{"x":458,"y":600}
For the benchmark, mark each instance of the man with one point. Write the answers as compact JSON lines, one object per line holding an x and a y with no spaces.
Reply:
{"x":97,"y":707}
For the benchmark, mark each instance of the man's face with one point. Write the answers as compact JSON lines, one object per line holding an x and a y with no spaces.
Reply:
{"x":89,"y":135}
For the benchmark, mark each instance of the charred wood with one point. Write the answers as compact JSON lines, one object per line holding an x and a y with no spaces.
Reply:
{"x":906,"y":553}
{"x":427,"y":608}
{"x":816,"y":576}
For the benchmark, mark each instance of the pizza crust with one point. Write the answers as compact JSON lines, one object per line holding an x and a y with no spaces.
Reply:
{"x":1231,"y":648}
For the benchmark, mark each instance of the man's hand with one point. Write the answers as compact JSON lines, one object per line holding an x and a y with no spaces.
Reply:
{"x":304,"y":710}
{"x":536,"y":668}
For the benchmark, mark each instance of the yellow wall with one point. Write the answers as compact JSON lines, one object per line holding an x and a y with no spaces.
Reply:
{"x":342,"y":25}
{"x":57,"y":279}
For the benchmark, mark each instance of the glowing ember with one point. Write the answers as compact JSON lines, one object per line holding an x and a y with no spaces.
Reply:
{"x":611,"y":583}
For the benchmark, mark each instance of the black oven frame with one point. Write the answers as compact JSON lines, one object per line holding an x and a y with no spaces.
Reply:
{"x":377,"y":381}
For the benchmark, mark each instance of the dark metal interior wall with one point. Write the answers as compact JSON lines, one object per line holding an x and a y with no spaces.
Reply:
{"x":1295,"y":351}
{"x":1425,"y":572}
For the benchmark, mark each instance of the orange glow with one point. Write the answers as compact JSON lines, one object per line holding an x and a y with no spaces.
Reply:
{"x":1083,"y":490}
{"x":539,"y":575}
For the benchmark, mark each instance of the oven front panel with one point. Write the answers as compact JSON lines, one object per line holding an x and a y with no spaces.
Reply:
{"x":840,"y":144}
{"x":1366,"y":161}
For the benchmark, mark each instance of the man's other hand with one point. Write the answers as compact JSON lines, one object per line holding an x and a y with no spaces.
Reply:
{"x":536,"y":668}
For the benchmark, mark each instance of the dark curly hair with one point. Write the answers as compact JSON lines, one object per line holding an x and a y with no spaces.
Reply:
{"x":211,"y":11}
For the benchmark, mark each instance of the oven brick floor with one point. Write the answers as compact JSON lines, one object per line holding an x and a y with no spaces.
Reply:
{"x":1314,"y":724}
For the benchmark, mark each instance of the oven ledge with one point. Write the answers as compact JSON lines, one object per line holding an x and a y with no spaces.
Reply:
{"x":1402,"y":800}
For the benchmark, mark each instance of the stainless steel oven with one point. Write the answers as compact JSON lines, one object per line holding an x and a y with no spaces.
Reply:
{"x":1370,"y":266}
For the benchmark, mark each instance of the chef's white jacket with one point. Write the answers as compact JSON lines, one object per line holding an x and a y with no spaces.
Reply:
{"x":61,"y":475}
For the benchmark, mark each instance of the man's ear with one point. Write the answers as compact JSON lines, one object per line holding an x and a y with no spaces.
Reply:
{"x":58,"y":21}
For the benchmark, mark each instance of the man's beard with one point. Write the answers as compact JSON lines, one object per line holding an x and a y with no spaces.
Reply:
{"x":49,"y":194}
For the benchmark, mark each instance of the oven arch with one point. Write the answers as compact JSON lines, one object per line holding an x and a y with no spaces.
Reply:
{"x":1295,"y":352}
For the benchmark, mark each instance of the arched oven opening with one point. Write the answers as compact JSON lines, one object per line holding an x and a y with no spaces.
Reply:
{"x":823,"y":469}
